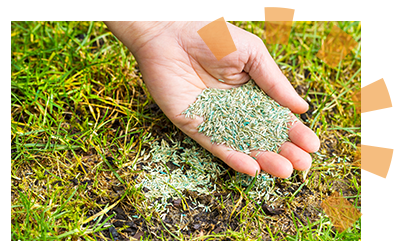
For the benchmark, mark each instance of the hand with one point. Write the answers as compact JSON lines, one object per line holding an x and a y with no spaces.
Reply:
{"x":177,"y":65}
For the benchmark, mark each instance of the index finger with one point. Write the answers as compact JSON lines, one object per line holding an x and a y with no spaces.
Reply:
{"x":266,"y":73}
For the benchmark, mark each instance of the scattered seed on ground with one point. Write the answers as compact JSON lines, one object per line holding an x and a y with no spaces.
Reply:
{"x":195,"y":170}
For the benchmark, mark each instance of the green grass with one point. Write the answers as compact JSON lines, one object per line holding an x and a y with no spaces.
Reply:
{"x":81,"y":115}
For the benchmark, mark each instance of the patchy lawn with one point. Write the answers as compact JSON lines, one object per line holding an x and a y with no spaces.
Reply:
{"x":84,"y":136}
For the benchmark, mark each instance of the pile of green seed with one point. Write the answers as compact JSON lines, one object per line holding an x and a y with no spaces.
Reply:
{"x":243,"y":118}
{"x":195,"y":170}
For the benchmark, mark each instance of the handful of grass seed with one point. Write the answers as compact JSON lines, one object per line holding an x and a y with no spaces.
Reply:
{"x":243,"y":118}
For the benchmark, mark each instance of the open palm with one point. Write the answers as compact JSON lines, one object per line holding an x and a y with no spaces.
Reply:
{"x":177,"y":65}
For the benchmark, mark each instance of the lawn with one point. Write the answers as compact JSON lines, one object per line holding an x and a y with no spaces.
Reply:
{"x":86,"y":134}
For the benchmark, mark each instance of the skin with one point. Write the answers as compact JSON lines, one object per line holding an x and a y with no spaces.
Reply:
{"x":177,"y":65}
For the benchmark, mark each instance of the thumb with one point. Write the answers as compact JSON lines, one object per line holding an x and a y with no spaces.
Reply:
{"x":266,"y":73}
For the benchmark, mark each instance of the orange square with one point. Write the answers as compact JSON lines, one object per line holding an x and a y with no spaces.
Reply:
{"x":340,"y":211}
{"x":277,"y":32}
{"x":218,"y":39}
{"x":376,"y":160}
{"x":336,"y":46}
{"x":375,"y":96}
{"x":278,"y":25}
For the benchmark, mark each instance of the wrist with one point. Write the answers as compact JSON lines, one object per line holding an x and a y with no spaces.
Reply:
{"x":136,"y":34}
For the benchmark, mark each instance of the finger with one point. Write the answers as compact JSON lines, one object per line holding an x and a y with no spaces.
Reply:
{"x":236,"y":160}
{"x":304,"y":137}
{"x":273,"y":163}
{"x":266,"y":73}
{"x":300,"y":159}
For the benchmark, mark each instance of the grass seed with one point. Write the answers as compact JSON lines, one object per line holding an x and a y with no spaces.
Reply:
{"x":243,"y":118}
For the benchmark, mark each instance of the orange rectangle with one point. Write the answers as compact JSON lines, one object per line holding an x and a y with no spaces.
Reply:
{"x":218,"y":39}
{"x":340,"y":211}
{"x":375,"y":96}
{"x":376,"y":160}
{"x":336,"y":46}
{"x":278,"y":14}
{"x":278,"y":25}
{"x":277,"y":32}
